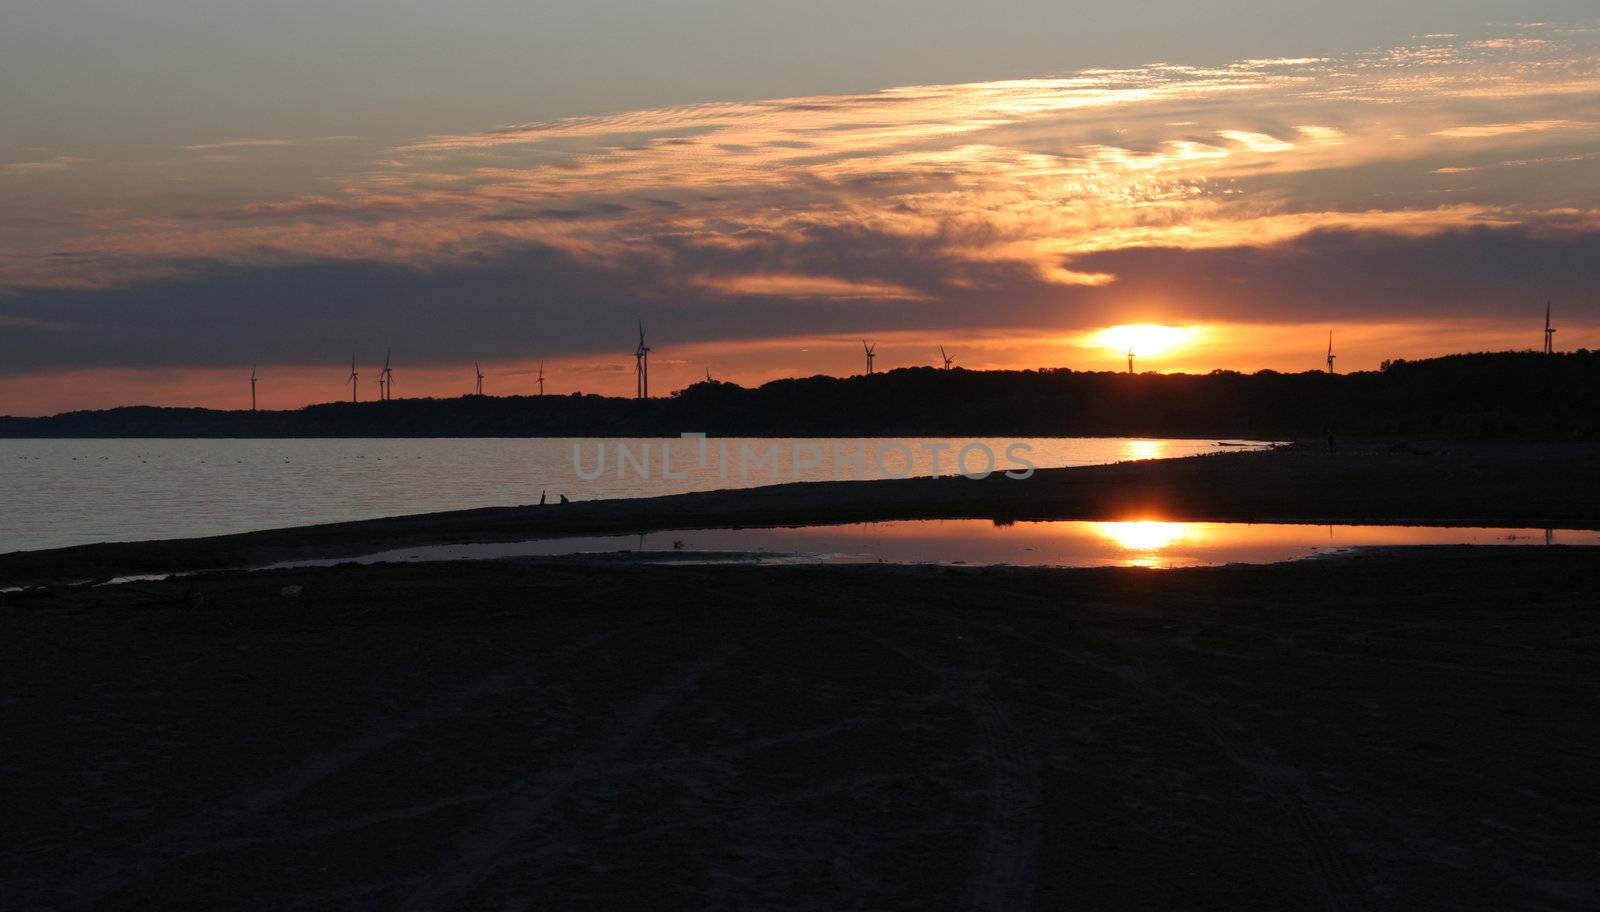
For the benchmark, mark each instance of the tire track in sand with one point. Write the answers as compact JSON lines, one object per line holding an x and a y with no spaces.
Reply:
{"x":204,"y":829}
{"x":1007,"y":845}
{"x":1338,"y":885}
{"x":479,"y":851}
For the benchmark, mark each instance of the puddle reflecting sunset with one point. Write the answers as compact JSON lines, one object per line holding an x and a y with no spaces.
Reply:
{"x":1134,"y":543}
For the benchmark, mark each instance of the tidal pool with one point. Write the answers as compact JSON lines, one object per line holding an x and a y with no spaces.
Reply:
{"x":1134,"y":543}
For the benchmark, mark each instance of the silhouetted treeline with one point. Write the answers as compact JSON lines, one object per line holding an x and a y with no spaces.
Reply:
{"x":1500,"y":395}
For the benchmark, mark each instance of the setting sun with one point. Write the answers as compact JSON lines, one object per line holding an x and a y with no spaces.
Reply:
{"x":1145,"y":338}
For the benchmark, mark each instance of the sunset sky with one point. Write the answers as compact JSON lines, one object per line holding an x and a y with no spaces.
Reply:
{"x":188,"y":188}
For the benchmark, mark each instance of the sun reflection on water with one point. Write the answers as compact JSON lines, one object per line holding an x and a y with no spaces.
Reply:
{"x":1143,"y":535}
{"x":1146,"y":539}
{"x":1144,"y":449}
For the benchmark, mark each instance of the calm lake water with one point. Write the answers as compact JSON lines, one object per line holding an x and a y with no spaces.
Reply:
{"x":55,"y":493}
{"x":983,"y":542}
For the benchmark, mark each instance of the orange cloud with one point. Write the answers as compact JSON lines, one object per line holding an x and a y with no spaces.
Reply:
{"x":1025,"y":169}
{"x":804,"y":286}
{"x":1487,"y":131}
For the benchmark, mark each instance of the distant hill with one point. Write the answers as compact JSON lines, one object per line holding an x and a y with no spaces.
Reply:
{"x":1495,"y":395}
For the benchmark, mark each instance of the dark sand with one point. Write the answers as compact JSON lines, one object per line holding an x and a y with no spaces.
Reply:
{"x":1526,"y":485}
{"x":1403,"y":730}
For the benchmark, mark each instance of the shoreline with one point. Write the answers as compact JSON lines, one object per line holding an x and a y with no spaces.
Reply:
{"x":1222,"y":440}
{"x":1540,"y":485}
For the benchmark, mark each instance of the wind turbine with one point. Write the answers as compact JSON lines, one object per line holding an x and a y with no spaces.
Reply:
{"x":1331,"y":355}
{"x":541,"y":378}
{"x":1549,"y":331}
{"x":947,"y":359}
{"x":641,"y":367}
{"x":479,"y":372}
{"x":1130,"y":359}
{"x":354,"y":379}
{"x":386,"y":378}
{"x":871,"y":351}
{"x":252,"y":387}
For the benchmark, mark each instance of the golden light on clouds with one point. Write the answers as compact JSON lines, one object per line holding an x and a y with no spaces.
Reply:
{"x":1025,"y":170}
{"x":1487,"y":131}
{"x":778,"y":285}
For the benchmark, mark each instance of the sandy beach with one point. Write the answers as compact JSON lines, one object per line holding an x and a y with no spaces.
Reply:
{"x":1396,"y":728}
{"x":1401,"y":730}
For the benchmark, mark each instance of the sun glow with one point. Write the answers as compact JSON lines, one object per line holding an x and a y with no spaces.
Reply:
{"x":1143,"y":535}
{"x":1145,"y":338}
{"x":1143,"y":449}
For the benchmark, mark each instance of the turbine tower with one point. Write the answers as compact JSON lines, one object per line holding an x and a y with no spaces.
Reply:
{"x":1331,"y":355}
{"x":541,"y":378}
{"x":948,"y":360}
{"x":1130,"y":359}
{"x":641,"y":367}
{"x":479,"y":372}
{"x":1549,"y":331}
{"x":871,"y":351}
{"x":252,"y":387}
{"x":353,"y":380}
{"x":386,"y":378}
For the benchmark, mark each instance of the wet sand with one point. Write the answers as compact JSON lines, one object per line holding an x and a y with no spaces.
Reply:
{"x":1524,"y":485}
{"x":1410,"y":729}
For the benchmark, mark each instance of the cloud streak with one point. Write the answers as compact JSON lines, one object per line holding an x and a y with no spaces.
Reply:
{"x":59,"y":163}
{"x":259,"y":143}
